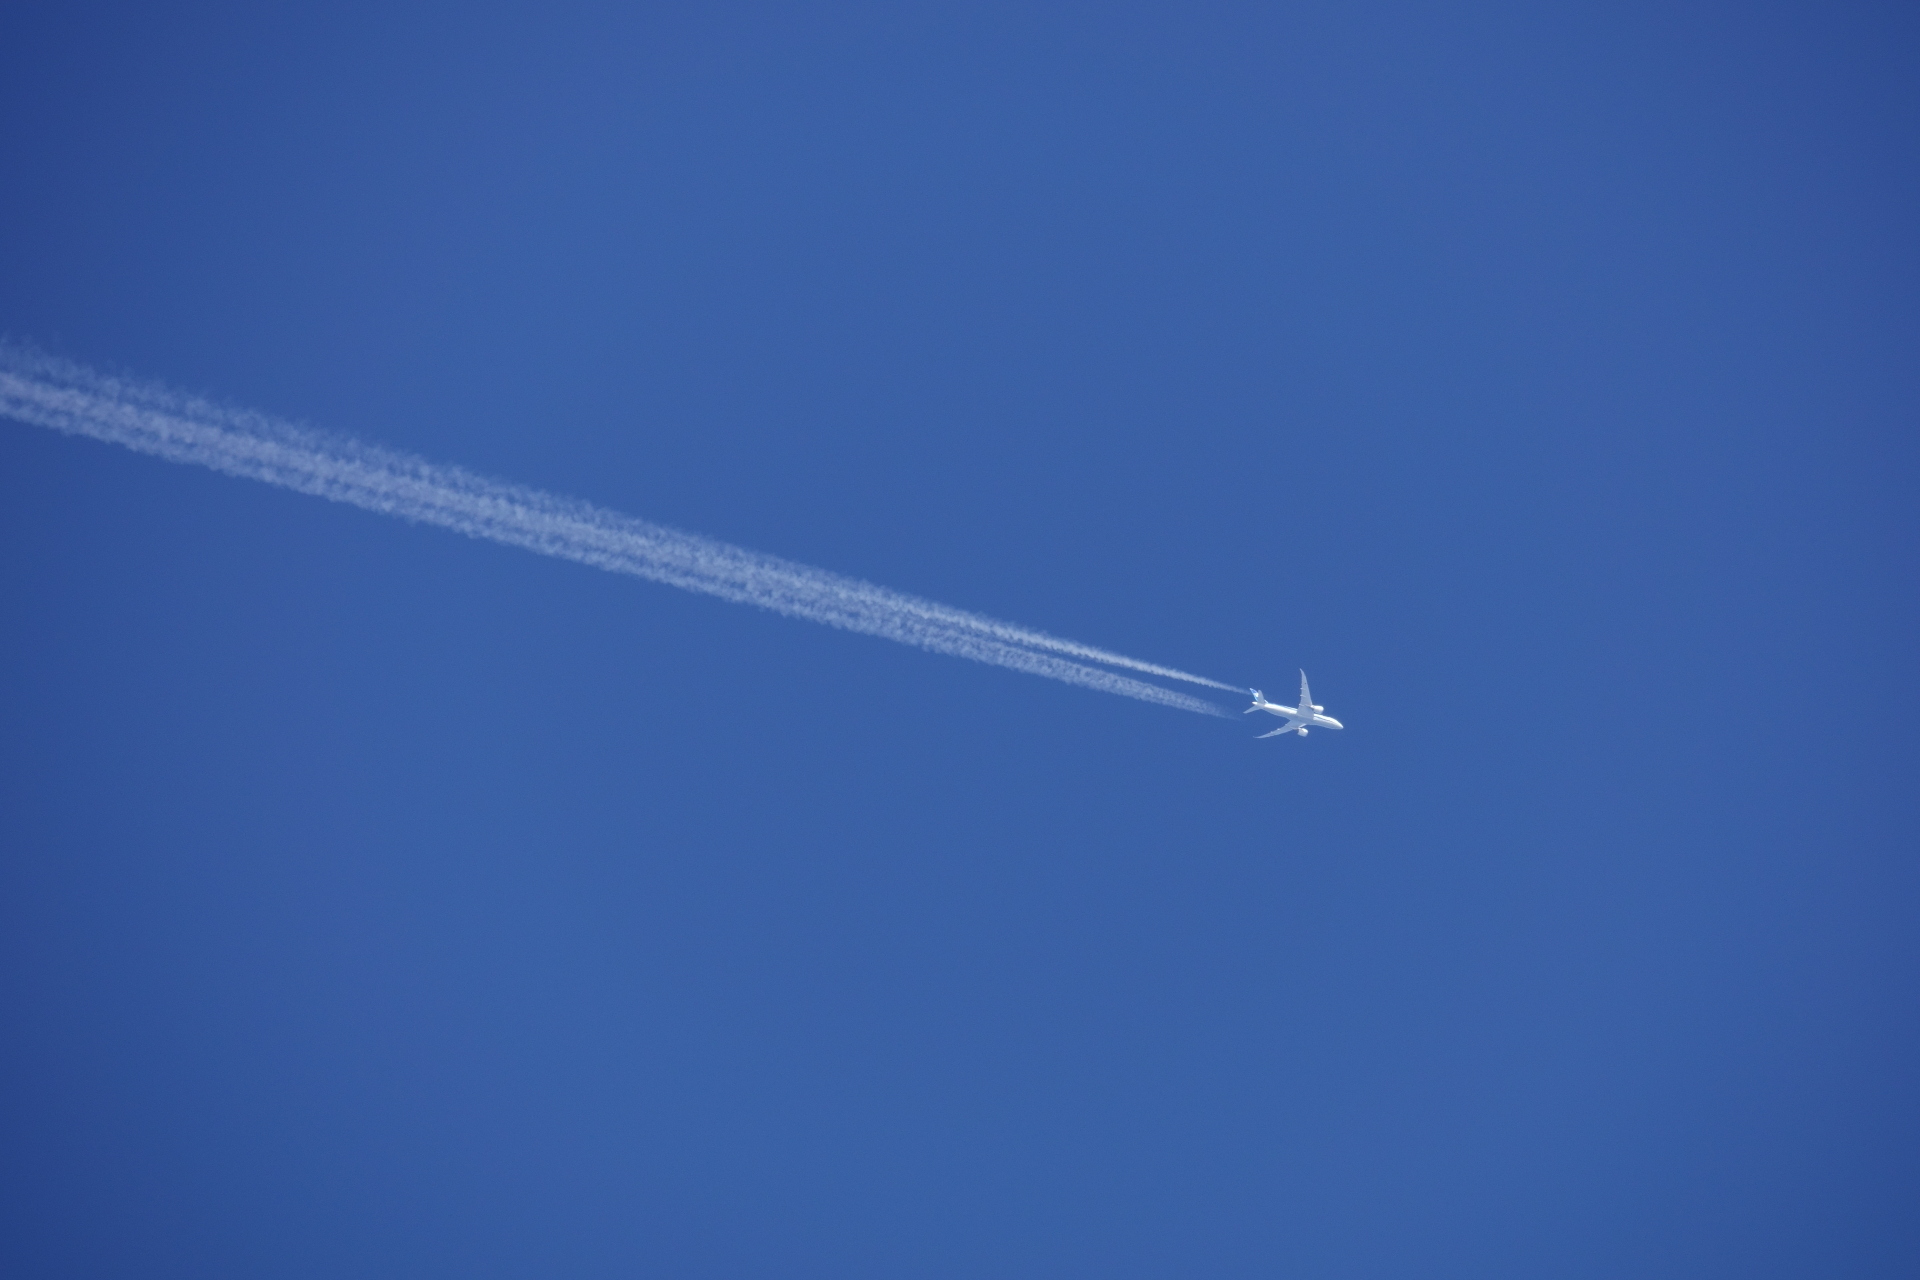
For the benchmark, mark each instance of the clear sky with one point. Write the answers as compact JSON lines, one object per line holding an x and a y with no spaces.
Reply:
{"x":1542,"y":379}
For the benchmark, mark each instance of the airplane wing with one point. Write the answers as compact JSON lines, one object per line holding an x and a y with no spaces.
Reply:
{"x":1306,"y":699}
{"x":1288,"y":727}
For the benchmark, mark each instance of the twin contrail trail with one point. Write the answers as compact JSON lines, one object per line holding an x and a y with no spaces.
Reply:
{"x":48,"y":392}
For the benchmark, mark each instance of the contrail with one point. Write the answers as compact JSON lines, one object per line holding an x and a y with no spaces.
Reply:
{"x":149,"y":418}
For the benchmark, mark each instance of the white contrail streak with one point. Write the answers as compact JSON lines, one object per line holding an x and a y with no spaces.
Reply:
{"x":46,"y":392}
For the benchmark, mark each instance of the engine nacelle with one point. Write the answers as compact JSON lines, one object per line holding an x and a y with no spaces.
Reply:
{"x":1301,"y":732}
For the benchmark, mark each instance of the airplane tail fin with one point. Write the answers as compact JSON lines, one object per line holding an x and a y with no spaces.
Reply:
{"x":1259,"y":699}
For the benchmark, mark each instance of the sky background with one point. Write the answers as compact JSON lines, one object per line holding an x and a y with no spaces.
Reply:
{"x":1541,"y":379}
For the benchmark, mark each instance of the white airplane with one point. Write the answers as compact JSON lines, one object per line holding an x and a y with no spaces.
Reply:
{"x":1299,"y":718}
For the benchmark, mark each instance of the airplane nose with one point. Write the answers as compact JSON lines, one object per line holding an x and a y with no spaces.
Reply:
{"x":1334,"y":724}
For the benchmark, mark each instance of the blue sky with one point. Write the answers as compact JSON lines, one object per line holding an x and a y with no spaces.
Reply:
{"x":382,"y":902}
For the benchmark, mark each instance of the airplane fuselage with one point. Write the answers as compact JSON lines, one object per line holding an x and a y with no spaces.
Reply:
{"x":1312,"y":719}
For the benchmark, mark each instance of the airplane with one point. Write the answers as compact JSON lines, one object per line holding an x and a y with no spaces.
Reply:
{"x":1298,"y":718}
